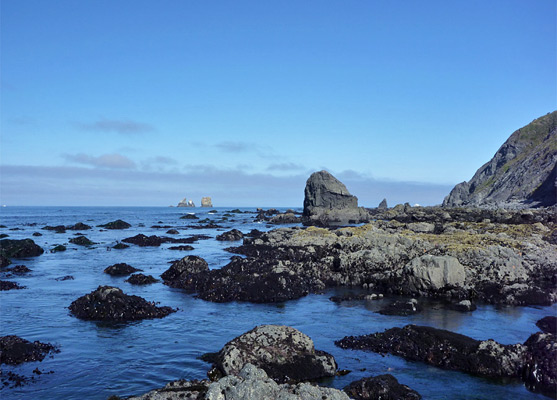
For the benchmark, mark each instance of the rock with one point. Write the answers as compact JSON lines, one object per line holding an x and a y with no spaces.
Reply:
{"x":182,"y":272}
{"x":522,"y":173}
{"x":384,"y":387}
{"x":402,"y":308}
{"x":432,"y":273}
{"x":64,"y":278}
{"x":58,"y":248}
{"x":172,"y":232}
{"x":118,"y":224}
{"x":120,"y":269}
{"x":57,"y":229}
{"x":81,"y":241}
{"x":8,"y":285}
{"x":285,"y":218}
{"x":383,"y":205}
{"x":177,"y":390}
{"x":463,"y":306}
{"x":4,"y":261}
{"x":189,"y":216}
{"x":12,"y":248}
{"x":284,"y":353}
{"x":231,"y":235}
{"x":19,"y":269}
{"x":443,"y":349}
{"x":548,"y":324}
{"x":540,"y":369}
{"x":327,"y":202}
{"x":145,"y":241}
{"x":120,"y":246}
{"x":15,"y":350}
{"x":140,"y":279}
{"x":186,"y":247}
{"x":108,"y":303}
{"x":80,"y":226}
{"x":186,"y":203}
{"x":206,"y":202}
{"x":37,"y":234}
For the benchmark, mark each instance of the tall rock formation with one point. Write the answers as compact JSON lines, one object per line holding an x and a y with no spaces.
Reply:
{"x":206,"y":202}
{"x":327,"y":202}
{"x":521,"y":174}
{"x":186,"y":203}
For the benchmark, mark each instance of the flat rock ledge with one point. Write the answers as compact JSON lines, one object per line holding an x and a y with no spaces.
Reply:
{"x":15,"y":350}
{"x":286,"y":355}
{"x":535,"y":361}
{"x":251,"y":383}
{"x":108,"y":303}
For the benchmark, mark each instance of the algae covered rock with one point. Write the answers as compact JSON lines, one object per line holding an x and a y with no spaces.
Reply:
{"x":12,"y":248}
{"x":15,"y":350}
{"x":384,"y":387}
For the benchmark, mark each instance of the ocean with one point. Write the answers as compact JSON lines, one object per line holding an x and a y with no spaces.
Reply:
{"x":99,"y":359}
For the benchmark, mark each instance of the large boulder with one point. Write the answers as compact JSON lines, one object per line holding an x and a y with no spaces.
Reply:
{"x":540,"y":369}
{"x":327,"y":202}
{"x":118,"y":224}
{"x":384,"y":387}
{"x":108,"y":303}
{"x":12,"y":248}
{"x":285,"y":354}
{"x":433,"y":273}
{"x":183,"y":271}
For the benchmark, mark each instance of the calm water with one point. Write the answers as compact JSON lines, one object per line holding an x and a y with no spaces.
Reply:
{"x":97,"y":360}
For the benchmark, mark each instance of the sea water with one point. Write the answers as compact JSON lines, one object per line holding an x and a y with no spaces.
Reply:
{"x":99,"y":359}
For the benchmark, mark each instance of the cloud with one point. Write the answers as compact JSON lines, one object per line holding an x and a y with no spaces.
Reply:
{"x":111,"y":161}
{"x":158,"y":163}
{"x":235,"y":147}
{"x":124,"y":127}
{"x":73,"y":185}
{"x":287,"y":166}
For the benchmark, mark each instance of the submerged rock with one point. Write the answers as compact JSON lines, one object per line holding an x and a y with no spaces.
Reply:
{"x":81,"y":241}
{"x":402,"y":308}
{"x":384,"y":387}
{"x":12,"y":248}
{"x":284,"y":353}
{"x":58,"y":248}
{"x":120,"y":269}
{"x":120,"y":246}
{"x":140,"y":279}
{"x":15,"y":350}
{"x":108,"y":303}
{"x":185,"y":247}
{"x":118,"y":224}
{"x":231,"y":235}
{"x":4,"y":261}
{"x":9,"y":285}
{"x":80,"y":226}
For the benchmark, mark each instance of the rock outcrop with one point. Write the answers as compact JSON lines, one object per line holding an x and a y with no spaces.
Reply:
{"x":284,"y":353}
{"x":118,"y":224}
{"x":206,"y":202}
{"x":523,"y":172}
{"x":186,"y":203}
{"x":230,"y":236}
{"x":12,"y":248}
{"x":15,"y":350}
{"x":108,"y":303}
{"x":120,"y":269}
{"x":384,"y":387}
{"x":327,"y":202}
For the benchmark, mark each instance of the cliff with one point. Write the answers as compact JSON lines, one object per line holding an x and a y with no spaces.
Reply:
{"x":521,"y":174}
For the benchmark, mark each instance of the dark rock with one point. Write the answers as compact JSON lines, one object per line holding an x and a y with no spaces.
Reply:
{"x":402,"y":308}
{"x":81,"y":241}
{"x":463,"y":306}
{"x":185,"y":247}
{"x":3,"y":235}
{"x":19,"y":269}
{"x":80,"y":226}
{"x":15,"y":350}
{"x":384,"y":387}
{"x":548,"y":324}
{"x":8,"y":285}
{"x":172,"y":232}
{"x":285,"y":218}
{"x":540,"y":369}
{"x":231,"y":235}
{"x":58,"y":248}
{"x":4,"y":261}
{"x":284,"y":353}
{"x":108,"y":303}
{"x":118,"y":224}
{"x":254,"y":233}
{"x":11,"y":248}
{"x":65,"y":278}
{"x":181,"y":273}
{"x":37,"y":234}
{"x":140,"y":279}
{"x":120,"y":246}
{"x":120,"y":269}
{"x":383,"y":205}
{"x":189,"y":216}
{"x":57,"y":229}
{"x":144,"y":241}
{"x":443,"y":349}
{"x":522,"y":172}
{"x":327,"y":202}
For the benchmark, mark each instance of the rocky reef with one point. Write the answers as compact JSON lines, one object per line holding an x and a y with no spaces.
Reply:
{"x":15,"y":350}
{"x":384,"y":387}
{"x":523,"y":172}
{"x":108,"y":303}
{"x":12,"y":248}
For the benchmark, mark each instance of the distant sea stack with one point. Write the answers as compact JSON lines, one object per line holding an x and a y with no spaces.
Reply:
{"x":206,"y":202}
{"x":186,"y":203}
{"x":327,"y":202}
{"x":523,"y":172}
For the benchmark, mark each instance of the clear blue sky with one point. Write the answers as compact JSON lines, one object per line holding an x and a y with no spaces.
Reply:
{"x":147,"y":102}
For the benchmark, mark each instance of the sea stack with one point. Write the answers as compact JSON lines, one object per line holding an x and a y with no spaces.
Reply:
{"x":327,"y":202}
{"x":206,"y":202}
{"x":186,"y":203}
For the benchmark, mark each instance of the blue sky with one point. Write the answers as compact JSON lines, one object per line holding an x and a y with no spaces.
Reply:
{"x":147,"y":102}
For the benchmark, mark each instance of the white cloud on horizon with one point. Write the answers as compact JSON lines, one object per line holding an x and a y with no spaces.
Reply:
{"x":110,"y":161}
{"x":121,"y":126}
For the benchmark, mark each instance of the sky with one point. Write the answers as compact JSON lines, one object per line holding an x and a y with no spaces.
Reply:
{"x":138,"y":102}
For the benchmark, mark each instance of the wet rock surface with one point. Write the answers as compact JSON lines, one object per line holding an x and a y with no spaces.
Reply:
{"x":284,"y":353}
{"x":15,"y":350}
{"x":231,"y":235}
{"x":540,"y":368}
{"x":81,"y":241}
{"x":9,"y":285}
{"x":12,"y":248}
{"x":185,"y":247}
{"x":384,"y":387}
{"x":183,"y":272}
{"x":80,"y":226}
{"x":548,"y":324}
{"x":108,"y":303}
{"x":402,"y":308}
{"x":141,"y":279}
{"x":118,"y":224}
{"x":120,"y":269}
{"x":155,"y":241}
